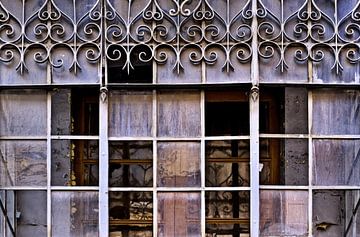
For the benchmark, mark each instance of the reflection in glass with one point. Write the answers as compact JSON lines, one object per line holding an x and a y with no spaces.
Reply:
{"x":23,"y":163}
{"x":227,"y":163}
{"x":130,"y":164}
{"x":336,"y":112}
{"x":179,"y":214}
{"x":283,"y":213}
{"x":336,"y":162}
{"x":130,"y":214}
{"x":130,"y":113}
{"x":336,"y":212}
{"x":23,"y":113}
{"x":75,"y":214}
{"x":179,"y":164}
{"x":179,"y":114}
{"x":26,"y":212}
{"x":227,"y":213}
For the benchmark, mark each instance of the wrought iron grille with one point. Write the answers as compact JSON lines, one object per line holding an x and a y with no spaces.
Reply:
{"x":288,"y":33}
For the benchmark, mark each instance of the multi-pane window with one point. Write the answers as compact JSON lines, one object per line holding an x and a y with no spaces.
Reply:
{"x":179,"y":118}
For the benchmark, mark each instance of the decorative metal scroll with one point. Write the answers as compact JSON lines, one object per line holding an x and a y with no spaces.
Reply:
{"x":312,"y":28}
{"x":130,"y":32}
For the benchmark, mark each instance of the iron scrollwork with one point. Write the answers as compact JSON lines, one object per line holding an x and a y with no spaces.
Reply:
{"x":313,"y":29}
{"x":177,"y":31}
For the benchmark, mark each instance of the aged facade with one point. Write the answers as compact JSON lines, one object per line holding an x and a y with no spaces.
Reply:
{"x":179,"y":118}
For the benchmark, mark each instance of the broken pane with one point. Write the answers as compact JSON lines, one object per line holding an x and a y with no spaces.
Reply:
{"x":226,"y":113}
{"x":131,"y":164}
{"x":284,"y":161}
{"x":23,"y":113}
{"x":283,"y":110}
{"x":179,"y":214}
{"x":179,"y":114}
{"x":228,"y":118}
{"x":61,"y":112}
{"x":75,"y":162}
{"x":278,"y":216}
{"x":178,"y":164}
{"x":75,"y":214}
{"x":227,"y":163}
{"x":336,"y":112}
{"x":336,"y":162}
{"x":75,"y":112}
{"x":130,"y":113}
{"x":131,"y":214}
{"x":23,"y":163}
{"x":227,"y":213}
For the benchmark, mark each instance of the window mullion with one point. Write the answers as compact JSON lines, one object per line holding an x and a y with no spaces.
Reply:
{"x":254,"y":163}
{"x":254,"y":130}
{"x":103,"y":165}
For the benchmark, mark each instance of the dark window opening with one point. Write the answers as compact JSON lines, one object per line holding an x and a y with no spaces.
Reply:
{"x":226,"y":114}
{"x":227,"y":118}
{"x":271,"y":111}
{"x":85,"y":112}
{"x":139,"y":70}
{"x":85,"y":121}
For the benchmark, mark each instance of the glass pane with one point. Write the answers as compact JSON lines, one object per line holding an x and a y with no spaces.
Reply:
{"x":179,"y":114}
{"x":131,"y":164}
{"x":336,"y":162}
{"x":352,"y":211}
{"x":238,"y":71}
{"x":284,"y":110}
{"x":61,"y":112}
{"x":26,"y":211}
{"x":130,"y":114}
{"x":284,"y":161}
{"x":131,"y":214}
{"x":227,"y":163}
{"x":227,"y":213}
{"x":35,"y":73}
{"x":75,"y":112}
{"x":336,"y":112}
{"x":179,"y":214}
{"x":278,"y":216}
{"x":23,"y":163}
{"x":329,"y":213}
{"x":7,"y":200}
{"x":22,"y":113}
{"x":178,"y":164}
{"x":87,"y":71}
{"x":75,"y":214}
{"x":75,"y":163}
{"x":188,"y":72}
